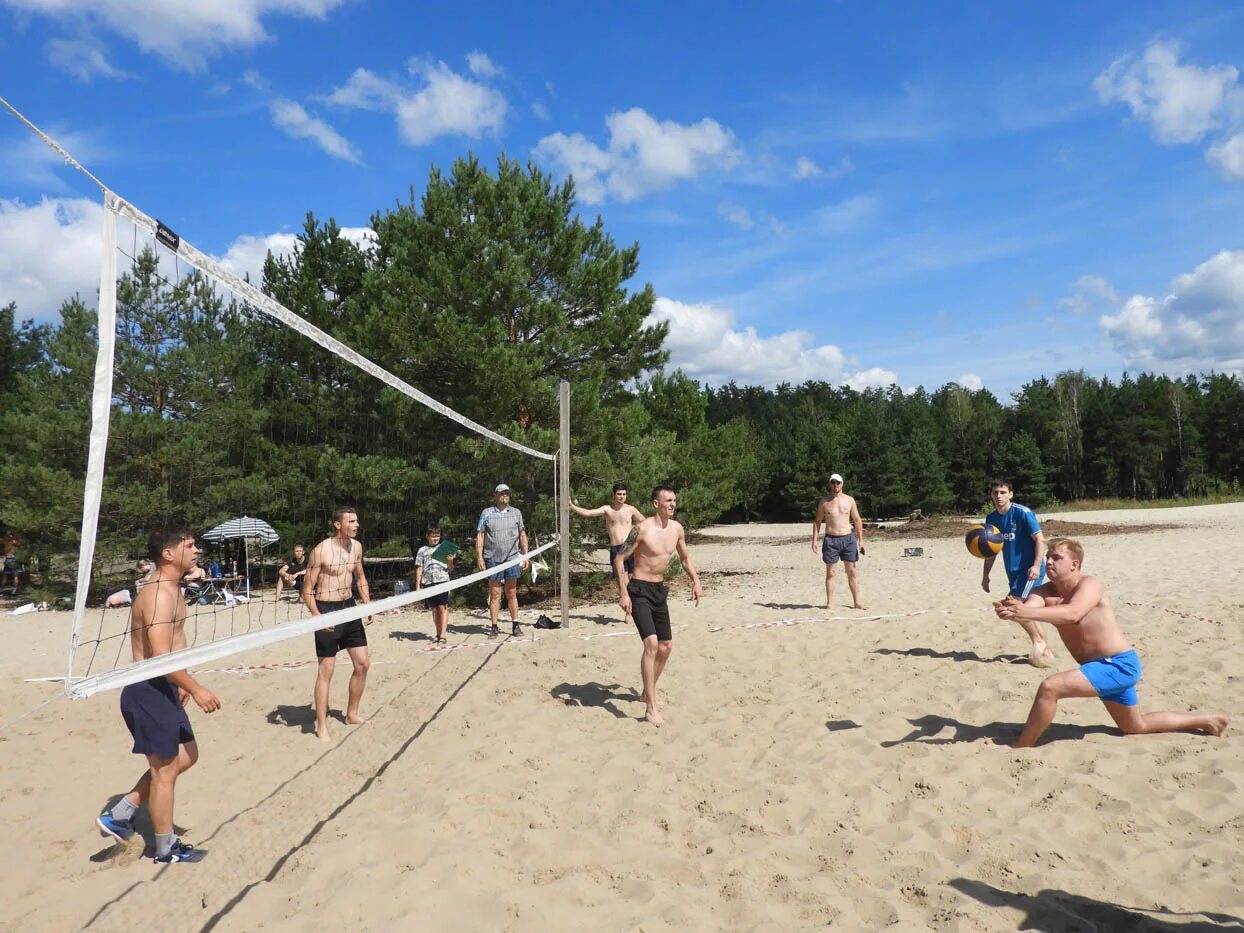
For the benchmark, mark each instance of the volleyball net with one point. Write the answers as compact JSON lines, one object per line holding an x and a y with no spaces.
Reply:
{"x":218,"y":409}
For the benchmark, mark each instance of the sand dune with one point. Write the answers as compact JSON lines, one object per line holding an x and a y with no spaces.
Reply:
{"x":815,"y":772}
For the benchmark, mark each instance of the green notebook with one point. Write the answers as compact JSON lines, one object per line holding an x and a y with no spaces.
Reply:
{"x":444,"y":551}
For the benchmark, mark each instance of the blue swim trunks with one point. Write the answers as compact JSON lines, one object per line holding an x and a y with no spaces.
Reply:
{"x":1115,"y":678}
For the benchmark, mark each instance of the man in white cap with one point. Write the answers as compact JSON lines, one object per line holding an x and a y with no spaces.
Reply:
{"x":501,"y":536}
{"x":841,"y":517}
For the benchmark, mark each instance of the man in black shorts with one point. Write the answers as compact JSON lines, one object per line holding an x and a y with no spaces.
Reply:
{"x":335,"y":567}
{"x":154,"y":710}
{"x":644,"y":594}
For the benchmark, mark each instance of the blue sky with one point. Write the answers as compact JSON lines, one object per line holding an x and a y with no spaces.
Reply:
{"x":902,"y":192}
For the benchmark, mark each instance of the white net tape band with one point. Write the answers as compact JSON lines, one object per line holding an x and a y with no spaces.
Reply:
{"x":274,"y":309}
{"x":101,"y":411}
{"x":203,"y":654}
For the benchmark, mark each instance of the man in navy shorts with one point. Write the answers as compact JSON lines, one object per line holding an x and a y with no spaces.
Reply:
{"x":154,"y":710}
{"x":841,"y":517}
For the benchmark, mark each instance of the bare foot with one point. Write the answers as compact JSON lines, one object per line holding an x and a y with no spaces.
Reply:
{"x":1218,"y":724}
{"x":1041,"y":656}
{"x":321,"y":733}
{"x":1009,"y":745}
{"x":354,"y":719}
{"x":654,"y":717}
{"x":859,"y":606}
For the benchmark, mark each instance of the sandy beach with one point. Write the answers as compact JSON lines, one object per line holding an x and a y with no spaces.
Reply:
{"x":818,"y":769}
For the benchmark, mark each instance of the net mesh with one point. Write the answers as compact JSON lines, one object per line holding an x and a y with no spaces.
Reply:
{"x":219,"y":410}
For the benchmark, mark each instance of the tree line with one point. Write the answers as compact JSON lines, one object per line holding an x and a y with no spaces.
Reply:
{"x":485,"y":293}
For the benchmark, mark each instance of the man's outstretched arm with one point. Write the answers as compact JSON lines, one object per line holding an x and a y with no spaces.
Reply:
{"x":1087,"y":595}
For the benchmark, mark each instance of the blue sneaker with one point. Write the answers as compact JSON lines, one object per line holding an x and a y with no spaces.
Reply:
{"x":119,"y":830}
{"x":181,"y":852}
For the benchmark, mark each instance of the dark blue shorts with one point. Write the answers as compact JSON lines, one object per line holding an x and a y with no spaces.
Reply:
{"x":155,"y":717}
{"x":628,"y":565}
{"x":433,"y":601}
{"x":839,"y":547}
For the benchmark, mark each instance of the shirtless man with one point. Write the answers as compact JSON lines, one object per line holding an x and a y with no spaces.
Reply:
{"x":1109,"y":666}
{"x":336,"y":564}
{"x":154,"y":710}
{"x":618,"y":520}
{"x":840,"y":515}
{"x":644,"y":596}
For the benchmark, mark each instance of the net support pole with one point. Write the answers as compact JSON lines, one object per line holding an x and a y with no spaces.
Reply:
{"x":563,"y":506}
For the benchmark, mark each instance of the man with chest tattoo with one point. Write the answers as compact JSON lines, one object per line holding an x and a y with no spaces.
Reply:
{"x":841,"y":518}
{"x":336,"y":565}
{"x":643,"y":595}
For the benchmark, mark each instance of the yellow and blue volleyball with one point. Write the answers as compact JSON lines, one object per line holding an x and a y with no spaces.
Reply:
{"x":983,"y":540}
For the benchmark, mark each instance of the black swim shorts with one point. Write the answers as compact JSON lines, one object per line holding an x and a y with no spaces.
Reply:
{"x":628,"y":565}
{"x":155,"y":717}
{"x":433,"y":601}
{"x":339,"y":637}
{"x":650,"y":609}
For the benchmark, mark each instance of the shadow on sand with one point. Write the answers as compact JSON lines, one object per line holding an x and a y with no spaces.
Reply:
{"x":959,"y":656}
{"x":928,"y":730}
{"x":301,"y":717}
{"x":603,"y":696}
{"x":1053,"y":911}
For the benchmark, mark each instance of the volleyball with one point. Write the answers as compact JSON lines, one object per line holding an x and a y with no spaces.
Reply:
{"x":983,"y":540}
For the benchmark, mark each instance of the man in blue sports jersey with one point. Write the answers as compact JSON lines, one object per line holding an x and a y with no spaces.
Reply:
{"x":1023,"y":556}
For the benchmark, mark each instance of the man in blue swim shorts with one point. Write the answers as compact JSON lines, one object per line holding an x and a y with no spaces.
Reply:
{"x":154,"y":710}
{"x":1079,"y":607}
{"x":1023,"y":557}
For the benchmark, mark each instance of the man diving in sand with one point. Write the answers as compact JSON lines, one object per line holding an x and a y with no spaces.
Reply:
{"x":1079,"y":607}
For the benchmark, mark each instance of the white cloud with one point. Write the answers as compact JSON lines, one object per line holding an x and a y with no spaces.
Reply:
{"x":446,"y":105}
{"x":805,"y":168}
{"x":1091,"y":293}
{"x":245,"y":255}
{"x":736,"y":214}
{"x":847,"y":215}
{"x":481,"y":65}
{"x":1199,"y":325}
{"x":1228,"y":157}
{"x":294,"y":121}
{"x":1180,"y":102}
{"x":643,"y":155}
{"x":83,"y":58}
{"x":705,"y":342}
{"x":971,"y":382}
{"x":184,"y":34}
{"x":32,"y":162}
{"x":48,"y":252}
{"x":541,"y":112}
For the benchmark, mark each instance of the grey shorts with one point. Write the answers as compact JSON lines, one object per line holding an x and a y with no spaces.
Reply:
{"x":839,"y":547}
